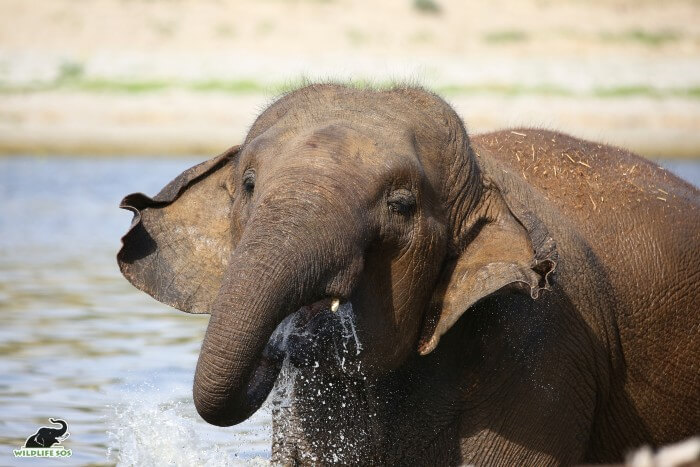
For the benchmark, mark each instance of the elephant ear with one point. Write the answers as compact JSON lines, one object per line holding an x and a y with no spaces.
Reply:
{"x":180,"y":240}
{"x":507,"y":247}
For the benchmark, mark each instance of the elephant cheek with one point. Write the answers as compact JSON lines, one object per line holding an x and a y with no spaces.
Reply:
{"x":385,"y":346}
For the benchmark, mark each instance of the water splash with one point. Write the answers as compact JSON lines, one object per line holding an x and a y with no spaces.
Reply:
{"x":160,"y":427}
{"x":347,"y":321}
{"x":157,"y":428}
{"x":295,"y":326}
{"x":312,"y":339}
{"x":309,"y":400}
{"x":349,"y":337}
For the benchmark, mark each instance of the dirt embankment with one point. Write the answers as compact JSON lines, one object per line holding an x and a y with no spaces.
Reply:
{"x":186,"y":76}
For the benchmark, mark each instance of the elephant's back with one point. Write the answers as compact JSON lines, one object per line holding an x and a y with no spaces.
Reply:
{"x":585,"y":175}
{"x":612,"y":194}
{"x":642,"y":223}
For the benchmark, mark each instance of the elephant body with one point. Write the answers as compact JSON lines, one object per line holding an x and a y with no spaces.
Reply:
{"x":520,"y":296}
{"x":620,"y":380}
{"x":630,"y":259}
{"x":45,"y":437}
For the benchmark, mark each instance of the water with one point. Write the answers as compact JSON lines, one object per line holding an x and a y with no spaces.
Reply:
{"x":688,"y":170}
{"x":77,"y":342}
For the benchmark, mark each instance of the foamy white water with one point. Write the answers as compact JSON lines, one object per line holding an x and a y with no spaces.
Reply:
{"x":158,"y":424}
{"x":157,"y":428}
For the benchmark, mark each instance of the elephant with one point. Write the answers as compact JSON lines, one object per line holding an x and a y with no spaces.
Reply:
{"x":45,"y":437}
{"x":518,"y":297}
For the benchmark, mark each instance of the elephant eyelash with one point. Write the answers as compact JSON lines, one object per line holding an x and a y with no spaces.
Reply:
{"x":249,"y":181}
{"x":402,"y":202}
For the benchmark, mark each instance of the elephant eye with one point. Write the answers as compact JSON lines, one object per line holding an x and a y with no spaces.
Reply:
{"x":401,"y":201}
{"x":249,"y":181}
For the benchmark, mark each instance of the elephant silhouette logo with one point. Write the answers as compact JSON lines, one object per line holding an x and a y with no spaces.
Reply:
{"x":46,"y":442}
{"x":46,"y":436}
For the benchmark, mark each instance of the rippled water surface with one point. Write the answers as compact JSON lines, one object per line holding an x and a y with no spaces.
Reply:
{"x":77,"y":342}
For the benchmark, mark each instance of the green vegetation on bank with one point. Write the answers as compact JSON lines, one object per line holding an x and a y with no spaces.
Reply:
{"x":554,"y":90}
{"x":642,"y":36}
{"x":139,"y":86}
{"x":506,"y":36}
{"x":71,"y":77}
{"x":248,"y":86}
{"x":427,"y":6}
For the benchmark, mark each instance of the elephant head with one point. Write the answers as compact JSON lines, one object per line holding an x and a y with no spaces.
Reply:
{"x":336,"y":195}
{"x":47,"y":436}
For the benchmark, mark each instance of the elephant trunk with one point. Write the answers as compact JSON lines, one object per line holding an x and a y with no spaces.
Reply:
{"x":61,"y":431}
{"x":268,"y":278}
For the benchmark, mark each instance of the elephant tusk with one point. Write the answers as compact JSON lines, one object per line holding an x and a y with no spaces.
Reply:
{"x":335,"y":304}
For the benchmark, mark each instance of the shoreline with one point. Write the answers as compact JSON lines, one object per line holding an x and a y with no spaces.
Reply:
{"x":133,"y":77}
{"x":185,"y":123}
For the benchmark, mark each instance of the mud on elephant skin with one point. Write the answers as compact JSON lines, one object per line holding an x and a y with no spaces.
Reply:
{"x":518,"y":296}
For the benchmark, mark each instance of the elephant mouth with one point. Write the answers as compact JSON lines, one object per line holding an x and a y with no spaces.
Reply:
{"x":319,"y":335}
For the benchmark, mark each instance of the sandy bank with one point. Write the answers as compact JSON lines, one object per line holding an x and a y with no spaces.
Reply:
{"x":189,"y":123}
{"x":164,"y":77}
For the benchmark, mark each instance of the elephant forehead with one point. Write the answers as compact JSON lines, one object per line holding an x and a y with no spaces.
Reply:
{"x":336,"y":145}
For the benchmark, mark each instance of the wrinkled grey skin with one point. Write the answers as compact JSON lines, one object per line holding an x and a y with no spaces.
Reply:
{"x":520,"y":296}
